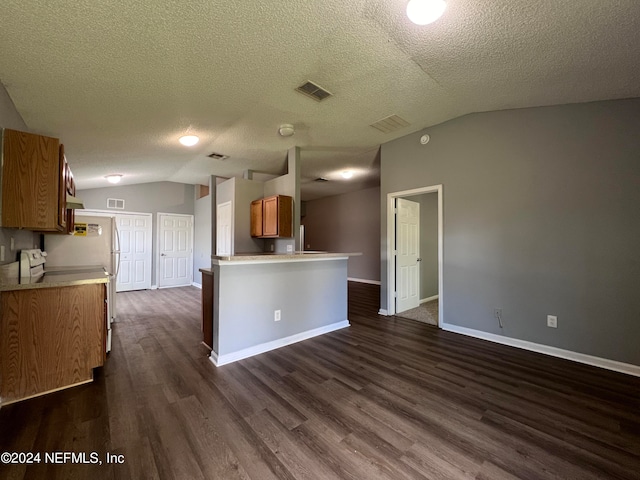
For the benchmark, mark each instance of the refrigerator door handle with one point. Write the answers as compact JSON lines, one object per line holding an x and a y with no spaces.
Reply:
{"x":117,"y":252}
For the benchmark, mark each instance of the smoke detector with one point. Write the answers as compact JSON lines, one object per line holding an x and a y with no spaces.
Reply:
{"x":286,"y":130}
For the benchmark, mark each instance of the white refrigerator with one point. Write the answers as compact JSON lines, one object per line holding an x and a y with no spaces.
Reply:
{"x":94,"y":247}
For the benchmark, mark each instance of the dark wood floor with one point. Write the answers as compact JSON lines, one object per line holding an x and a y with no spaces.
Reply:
{"x":387,"y":398}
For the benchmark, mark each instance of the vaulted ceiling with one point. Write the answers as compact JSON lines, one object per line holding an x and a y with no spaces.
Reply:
{"x":120,"y":81}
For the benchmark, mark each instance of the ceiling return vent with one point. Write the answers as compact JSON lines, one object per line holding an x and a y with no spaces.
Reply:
{"x":390,"y":124}
{"x":218,"y":156}
{"x":313,"y":90}
{"x":115,"y":203}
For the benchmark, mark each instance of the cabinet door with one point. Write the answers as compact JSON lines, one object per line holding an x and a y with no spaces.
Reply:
{"x":256,"y":218}
{"x":285,"y":216}
{"x":30,"y":181}
{"x":62,"y":189}
{"x":71,"y":190}
{"x":270,"y":217}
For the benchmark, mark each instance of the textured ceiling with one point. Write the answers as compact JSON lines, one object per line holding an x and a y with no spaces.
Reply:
{"x":120,"y":81}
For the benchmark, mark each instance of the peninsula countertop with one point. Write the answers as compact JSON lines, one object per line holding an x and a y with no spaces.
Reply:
{"x":266,"y":257}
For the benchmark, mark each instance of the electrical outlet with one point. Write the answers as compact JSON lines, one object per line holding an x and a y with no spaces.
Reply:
{"x":289,"y":248}
{"x":277,"y":315}
{"x":1,"y":253}
{"x":552,"y":321}
{"x":12,"y":247}
{"x":271,"y":247}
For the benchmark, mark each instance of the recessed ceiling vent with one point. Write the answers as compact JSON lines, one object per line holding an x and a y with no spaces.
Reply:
{"x":321,"y":179}
{"x":218,"y":156}
{"x":314,"y":91}
{"x":390,"y":124}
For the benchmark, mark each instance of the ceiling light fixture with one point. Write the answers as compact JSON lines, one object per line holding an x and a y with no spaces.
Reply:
{"x":423,"y":12}
{"x":286,"y":130}
{"x":347,"y":174}
{"x":189,"y":140}
{"x":114,"y":178}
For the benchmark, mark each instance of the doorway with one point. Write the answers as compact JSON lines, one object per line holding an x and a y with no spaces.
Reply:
{"x":175,"y":250}
{"x":134,"y":233}
{"x":403,"y":261}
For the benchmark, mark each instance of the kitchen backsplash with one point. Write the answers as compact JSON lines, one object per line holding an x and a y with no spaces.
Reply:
{"x":22,"y":239}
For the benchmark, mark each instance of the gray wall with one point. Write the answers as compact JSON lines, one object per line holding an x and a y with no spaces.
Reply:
{"x":347,"y":223}
{"x":310,"y":294}
{"x":163,"y":197}
{"x":288,"y":184}
{"x":428,"y":243}
{"x":23,"y":239}
{"x":202,"y":243}
{"x":540,"y":217}
{"x":246,"y":192}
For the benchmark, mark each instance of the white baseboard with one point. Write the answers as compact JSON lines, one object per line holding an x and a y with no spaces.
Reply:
{"x":364,"y":280}
{"x":429,"y":299}
{"x":154,"y":287}
{"x":219,"y":360}
{"x":384,"y":312}
{"x":197,"y":285}
{"x":547,"y":350}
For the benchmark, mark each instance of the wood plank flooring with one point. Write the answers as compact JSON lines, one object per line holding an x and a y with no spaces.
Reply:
{"x":387,"y":398}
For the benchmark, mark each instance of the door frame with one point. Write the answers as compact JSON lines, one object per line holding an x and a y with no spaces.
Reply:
{"x":391,"y":244}
{"x":158,"y":229}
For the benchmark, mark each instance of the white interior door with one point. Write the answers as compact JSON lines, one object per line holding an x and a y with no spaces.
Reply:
{"x":407,"y":255}
{"x":175,"y":248}
{"x":224,"y":218}
{"x":134,"y":272}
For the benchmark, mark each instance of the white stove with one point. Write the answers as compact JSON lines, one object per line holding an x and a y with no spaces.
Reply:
{"x":32,"y":265}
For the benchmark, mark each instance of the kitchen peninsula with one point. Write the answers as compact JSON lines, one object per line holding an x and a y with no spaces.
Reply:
{"x":264,"y":301}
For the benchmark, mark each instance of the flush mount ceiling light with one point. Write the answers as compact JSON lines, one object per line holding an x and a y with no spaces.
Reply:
{"x":423,"y":12}
{"x":347,"y":174}
{"x":189,"y":140}
{"x":114,"y":178}
{"x":286,"y":130}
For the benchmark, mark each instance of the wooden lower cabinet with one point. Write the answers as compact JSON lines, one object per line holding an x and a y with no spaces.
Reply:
{"x":50,"y":338}
{"x":207,"y":309}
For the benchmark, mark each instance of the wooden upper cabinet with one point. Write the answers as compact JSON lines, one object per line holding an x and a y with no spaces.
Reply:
{"x":256,"y":218}
{"x":272,"y":217}
{"x":33,"y":176}
{"x":71,"y":190}
{"x":62,"y":189}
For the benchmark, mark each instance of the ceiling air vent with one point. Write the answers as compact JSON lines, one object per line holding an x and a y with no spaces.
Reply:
{"x":218,"y":156}
{"x":314,"y":91}
{"x":390,"y":124}
{"x":115,"y":203}
{"x":321,"y":179}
